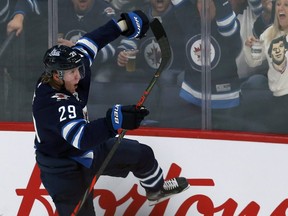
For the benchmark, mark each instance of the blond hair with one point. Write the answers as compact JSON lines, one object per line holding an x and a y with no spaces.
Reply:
{"x":48,"y":78}
{"x":275,"y":28}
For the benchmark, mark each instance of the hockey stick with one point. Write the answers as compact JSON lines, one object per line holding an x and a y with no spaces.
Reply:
{"x":164,"y":45}
{"x":6,"y":42}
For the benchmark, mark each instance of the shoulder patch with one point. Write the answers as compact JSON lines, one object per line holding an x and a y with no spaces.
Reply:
{"x":109,"y":11}
{"x":60,"y":96}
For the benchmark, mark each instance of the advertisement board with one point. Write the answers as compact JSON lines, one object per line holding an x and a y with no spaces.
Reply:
{"x":226,"y":178}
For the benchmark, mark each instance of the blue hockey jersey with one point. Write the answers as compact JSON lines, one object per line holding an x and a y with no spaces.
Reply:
{"x":62,"y":129}
{"x":225,"y":46}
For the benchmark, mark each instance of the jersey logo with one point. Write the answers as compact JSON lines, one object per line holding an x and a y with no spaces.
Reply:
{"x":194,"y":52}
{"x":74,"y":35}
{"x":60,"y":96}
{"x":152,"y":53}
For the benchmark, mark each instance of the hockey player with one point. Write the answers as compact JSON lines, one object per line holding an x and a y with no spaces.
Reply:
{"x":69,"y":148}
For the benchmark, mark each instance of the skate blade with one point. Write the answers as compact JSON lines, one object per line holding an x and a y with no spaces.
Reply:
{"x":154,"y":202}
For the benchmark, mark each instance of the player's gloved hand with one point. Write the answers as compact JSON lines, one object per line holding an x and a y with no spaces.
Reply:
{"x":137,"y":23}
{"x":126,"y":117}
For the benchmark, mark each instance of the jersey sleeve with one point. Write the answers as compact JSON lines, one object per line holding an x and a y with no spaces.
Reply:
{"x":91,"y":43}
{"x":89,"y":46}
{"x":226,"y":19}
{"x":26,"y":7}
{"x":79,"y":132}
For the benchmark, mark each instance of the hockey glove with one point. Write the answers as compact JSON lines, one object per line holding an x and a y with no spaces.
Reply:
{"x":137,"y":23}
{"x":126,"y":117}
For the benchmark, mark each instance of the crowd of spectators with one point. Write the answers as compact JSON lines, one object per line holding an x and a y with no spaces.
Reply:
{"x":221,"y":79}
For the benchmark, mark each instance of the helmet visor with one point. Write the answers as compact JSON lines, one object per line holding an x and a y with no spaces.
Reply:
{"x":81,"y":69}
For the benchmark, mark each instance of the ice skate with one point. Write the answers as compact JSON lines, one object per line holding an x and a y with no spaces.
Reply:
{"x":170,"y":188}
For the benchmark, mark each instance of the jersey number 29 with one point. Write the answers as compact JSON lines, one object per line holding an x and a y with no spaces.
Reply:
{"x":71,"y":112}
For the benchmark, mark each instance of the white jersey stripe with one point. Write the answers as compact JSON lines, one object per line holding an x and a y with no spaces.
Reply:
{"x":151,"y":176}
{"x":89,"y":44}
{"x":77,"y":138}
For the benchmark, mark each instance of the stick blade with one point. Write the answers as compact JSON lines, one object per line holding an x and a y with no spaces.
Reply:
{"x":157,"y":29}
{"x":162,"y":39}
